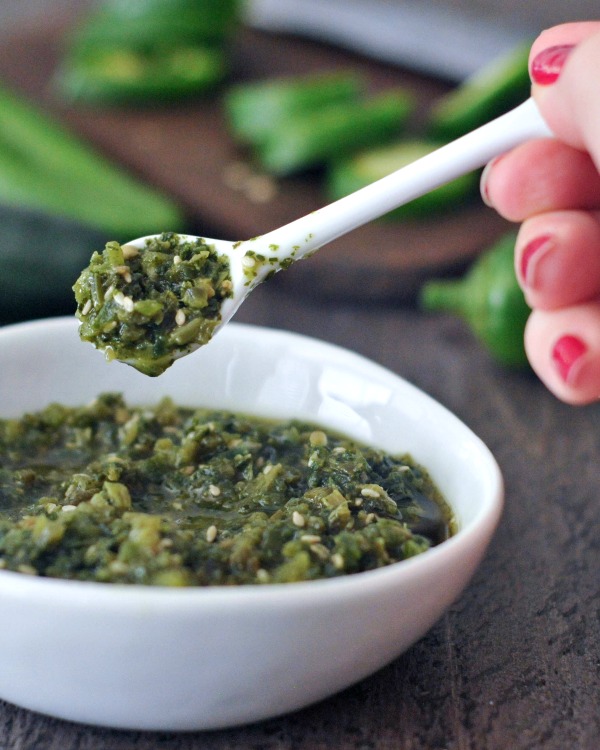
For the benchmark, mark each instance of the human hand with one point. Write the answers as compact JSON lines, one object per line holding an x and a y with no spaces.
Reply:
{"x":552,"y":186}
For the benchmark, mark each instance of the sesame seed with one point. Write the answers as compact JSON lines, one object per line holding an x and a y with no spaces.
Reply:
{"x":310,"y":538}
{"x":123,"y":301}
{"x":109,"y":292}
{"x":248,"y":261}
{"x":87,"y":307}
{"x":176,"y":260}
{"x":339,"y":449}
{"x":180,"y":317}
{"x":318,"y":438}
{"x":211,"y":533}
{"x":267,"y":468}
{"x":298,"y":519}
{"x":320,"y":550}
{"x":214,"y":490}
{"x":370,"y":518}
{"x":129,"y":251}
{"x":69,"y":508}
{"x":338,"y":561}
{"x":118,"y":566}
{"x":177,"y":505}
{"x":262,"y":576}
{"x":369,"y":492}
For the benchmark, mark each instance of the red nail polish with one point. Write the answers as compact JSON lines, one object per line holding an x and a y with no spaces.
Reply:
{"x":547,"y":64}
{"x":533,"y":248}
{"x":567,"y":350}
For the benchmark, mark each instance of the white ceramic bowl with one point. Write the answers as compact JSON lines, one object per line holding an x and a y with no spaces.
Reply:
{"x":156,"y":658}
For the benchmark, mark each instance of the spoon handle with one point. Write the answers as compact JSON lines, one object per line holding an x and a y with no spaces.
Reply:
{"x":469,"y":152}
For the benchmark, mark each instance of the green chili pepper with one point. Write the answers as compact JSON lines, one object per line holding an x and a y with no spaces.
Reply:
{"x":127,"y":75}
{"x":358,"y":170}
{"x":137,"y":51}
{"x":138,"y":23}
{"x":489,"y":299}
{"x":44,"y":166}
{"x":256,"y":109}
{"x":494,"y":89}
{"x":314,"y":138}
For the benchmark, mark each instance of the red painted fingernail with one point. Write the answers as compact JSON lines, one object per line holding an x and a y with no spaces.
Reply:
{"x":547,"y":64}
{"x":565,"y":354}
{"x":534,"y":249}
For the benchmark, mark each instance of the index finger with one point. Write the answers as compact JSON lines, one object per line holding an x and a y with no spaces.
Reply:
{"x":569,"y":100}
{"x":566,"y":33}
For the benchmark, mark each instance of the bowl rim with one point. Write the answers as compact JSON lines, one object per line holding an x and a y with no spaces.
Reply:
{"x":93,"y":594}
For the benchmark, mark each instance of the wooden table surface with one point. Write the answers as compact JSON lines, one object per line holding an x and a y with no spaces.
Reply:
{"x":514,"y":664}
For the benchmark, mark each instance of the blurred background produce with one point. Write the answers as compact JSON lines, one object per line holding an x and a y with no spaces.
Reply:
{"x":128,"y":51}
{"x":45,"y":166}
{"x":489,"y":300}
{"x":120,"y":118}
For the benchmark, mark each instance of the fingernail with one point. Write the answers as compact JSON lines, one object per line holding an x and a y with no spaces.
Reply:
{"x":483,"y":186}
{"x":547,"y":64}
{"x":567,"y":352}
{"x":531,"y":256}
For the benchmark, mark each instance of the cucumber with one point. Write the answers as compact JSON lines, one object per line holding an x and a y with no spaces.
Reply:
{"x":315,"y":138}
{"x":359,"y":170}
{"x":44,"y":166}
{"x":491,"y":91}
{"x":254,"y":110}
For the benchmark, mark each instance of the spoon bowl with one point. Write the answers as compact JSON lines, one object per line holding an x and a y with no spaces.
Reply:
{"x":252,"y":261}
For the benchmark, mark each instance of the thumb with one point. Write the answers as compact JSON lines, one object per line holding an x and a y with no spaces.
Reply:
{"x":565,"y":71}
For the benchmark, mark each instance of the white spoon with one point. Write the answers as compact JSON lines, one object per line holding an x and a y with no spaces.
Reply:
{"x":251,"y":261}
{"x":306,"y":235}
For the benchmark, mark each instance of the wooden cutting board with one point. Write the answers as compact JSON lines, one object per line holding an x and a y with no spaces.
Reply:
{"x":185,"y":150}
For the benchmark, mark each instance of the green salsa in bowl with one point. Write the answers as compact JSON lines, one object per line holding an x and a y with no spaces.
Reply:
{"x":214,"y":640}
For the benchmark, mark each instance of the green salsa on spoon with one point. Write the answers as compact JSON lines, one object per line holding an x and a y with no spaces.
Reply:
{"x":149,"y":306}
{"x":158,"y":298}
